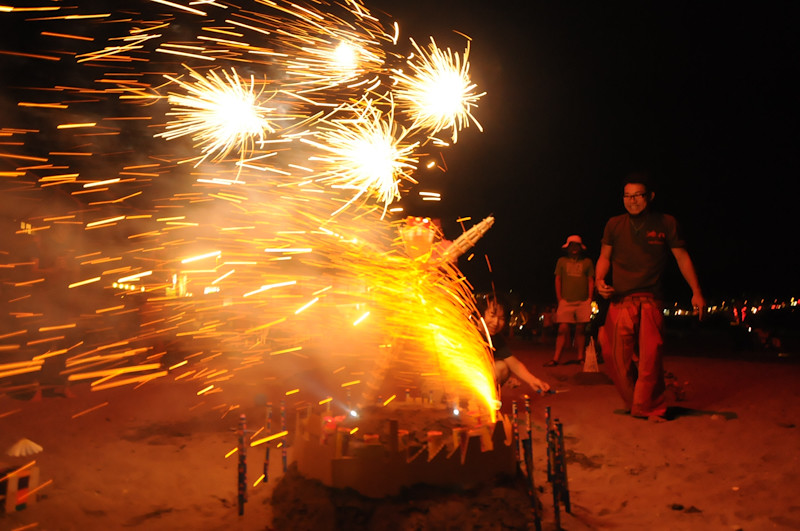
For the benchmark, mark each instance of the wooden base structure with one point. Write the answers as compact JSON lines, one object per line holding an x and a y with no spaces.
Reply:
{"x":381,"y":464}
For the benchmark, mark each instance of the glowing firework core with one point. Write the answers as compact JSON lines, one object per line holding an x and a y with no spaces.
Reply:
{"x":346,"y":57}
{"x":444,"y":95}
{"x":219,"y":114}
{"x":366,"y":153}
{"x":439,"y":95}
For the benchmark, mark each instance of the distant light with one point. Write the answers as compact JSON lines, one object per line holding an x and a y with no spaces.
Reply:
{"x":456,"y":412}
{"x":353,"y":413}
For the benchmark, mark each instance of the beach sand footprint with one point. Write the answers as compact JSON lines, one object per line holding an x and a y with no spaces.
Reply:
{"x":573,"y":457}
{"x":142,"y":519}
{"x":161,"y":433}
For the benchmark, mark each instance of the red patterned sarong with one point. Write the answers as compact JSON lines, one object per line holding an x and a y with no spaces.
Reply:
{"x":631,"y":345}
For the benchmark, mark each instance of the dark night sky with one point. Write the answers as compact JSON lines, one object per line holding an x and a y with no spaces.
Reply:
{"x":580,"y":93}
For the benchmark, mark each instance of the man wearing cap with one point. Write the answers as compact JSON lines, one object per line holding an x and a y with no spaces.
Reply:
{"x":574,"y":288}
{"x":636,"y":246}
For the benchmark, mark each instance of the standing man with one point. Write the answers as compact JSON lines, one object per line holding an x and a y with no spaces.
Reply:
{"x":574,"y":288}
{"x":636,"y":246}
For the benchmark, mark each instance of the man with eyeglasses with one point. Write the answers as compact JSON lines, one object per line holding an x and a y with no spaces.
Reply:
{"x":636,"y":247}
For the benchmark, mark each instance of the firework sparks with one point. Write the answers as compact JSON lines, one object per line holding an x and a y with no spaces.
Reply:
{"x":366,"y":153}
{"x":330,"y":46}
{"x":220,"y":113}
{"x":438,"y":93}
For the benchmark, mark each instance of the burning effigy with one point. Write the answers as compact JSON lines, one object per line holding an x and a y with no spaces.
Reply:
{"x":195,"y":190}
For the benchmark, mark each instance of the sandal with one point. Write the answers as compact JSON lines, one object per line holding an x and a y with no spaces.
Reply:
{"x":551,"y":363}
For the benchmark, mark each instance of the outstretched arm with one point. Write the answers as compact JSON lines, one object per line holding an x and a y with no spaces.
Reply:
{"x":520,"y":371}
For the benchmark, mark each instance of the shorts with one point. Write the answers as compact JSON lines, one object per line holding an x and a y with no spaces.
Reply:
{"x":574,"y":312}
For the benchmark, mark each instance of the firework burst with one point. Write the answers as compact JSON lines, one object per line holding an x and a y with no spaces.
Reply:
{"x":321,"y":50}
{"x":437,"y":93}
{"x":365,"y":151}
{"x":220,"y":113}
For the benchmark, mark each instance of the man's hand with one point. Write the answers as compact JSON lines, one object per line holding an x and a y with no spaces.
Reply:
{"x":604,"y":289}
{"x":699,"y":304}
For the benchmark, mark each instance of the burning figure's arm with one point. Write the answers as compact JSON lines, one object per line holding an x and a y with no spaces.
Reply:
{"x":422,"y":236}
{"x":466,"y":241}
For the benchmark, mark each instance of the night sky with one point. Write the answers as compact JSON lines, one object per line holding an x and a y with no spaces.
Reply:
{"x":580,"y":93}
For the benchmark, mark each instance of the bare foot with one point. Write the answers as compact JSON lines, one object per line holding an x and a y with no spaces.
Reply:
{"x":657,"y":419}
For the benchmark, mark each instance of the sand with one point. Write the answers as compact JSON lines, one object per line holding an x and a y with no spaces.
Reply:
{"x":155,"y":458}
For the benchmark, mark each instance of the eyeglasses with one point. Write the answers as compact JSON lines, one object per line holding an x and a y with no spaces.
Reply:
{"x":638,"y":195}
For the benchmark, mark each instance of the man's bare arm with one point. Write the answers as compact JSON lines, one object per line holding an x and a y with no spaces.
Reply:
{"x":601,"y":270}
{"x":687,"y":270}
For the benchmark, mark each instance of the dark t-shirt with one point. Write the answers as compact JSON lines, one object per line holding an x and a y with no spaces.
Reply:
{"x":575,"y":274}
{"x":501,"y":350}
{"x":640,"y":248}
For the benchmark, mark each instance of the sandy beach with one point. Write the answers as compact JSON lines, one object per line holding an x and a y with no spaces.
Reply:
{"x":155,"y":458}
